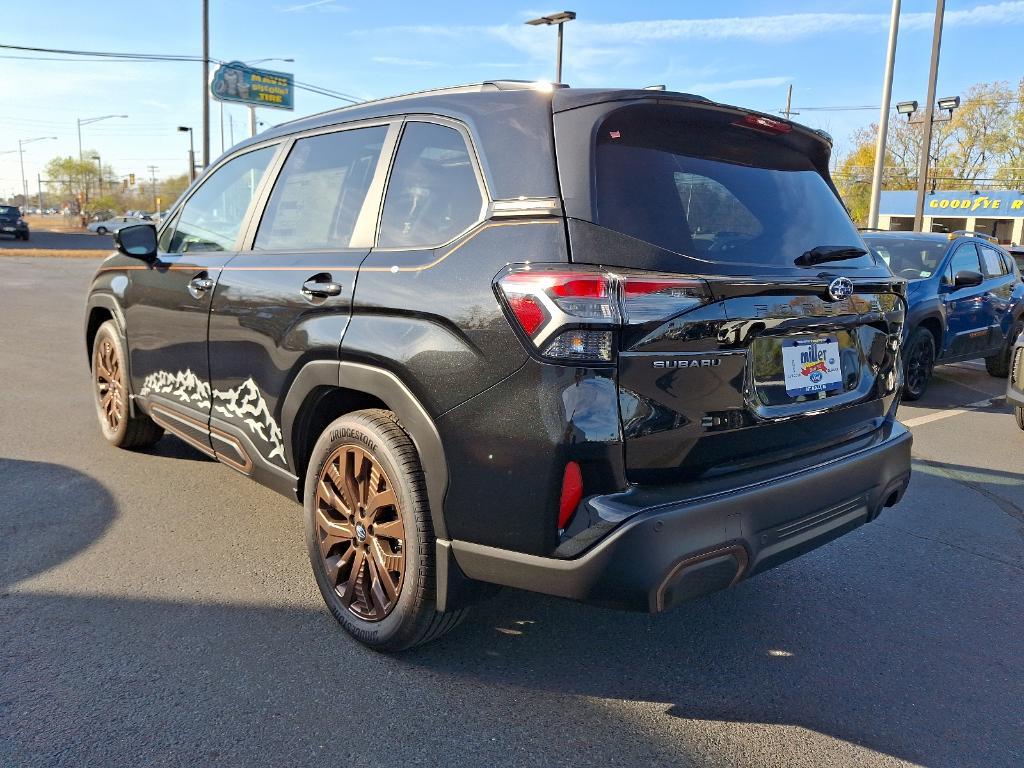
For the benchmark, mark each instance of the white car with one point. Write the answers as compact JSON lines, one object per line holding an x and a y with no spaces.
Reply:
{"x":109,"y":226}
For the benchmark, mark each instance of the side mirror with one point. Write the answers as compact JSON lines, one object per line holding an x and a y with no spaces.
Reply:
{"x":967,"y":279}
{"x":137,"y":241}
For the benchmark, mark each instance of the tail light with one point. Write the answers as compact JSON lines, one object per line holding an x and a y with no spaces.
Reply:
{"x":571,"y":315}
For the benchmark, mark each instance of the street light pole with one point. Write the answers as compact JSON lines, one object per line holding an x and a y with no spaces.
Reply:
{"x":21,"y":160}
{"x":206,"y":84}
{"x":883,"y":117}
{"x":87,"y":121}
{"x":929,"y":113}
{"x":191,"y":153}
{"x":559,"y":19}
{"x":99,"y":173}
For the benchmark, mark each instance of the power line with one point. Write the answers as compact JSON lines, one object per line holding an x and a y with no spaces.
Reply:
{"x":125,"y":57}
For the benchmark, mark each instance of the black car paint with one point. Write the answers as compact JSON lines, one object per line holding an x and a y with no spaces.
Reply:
{"x":420,"y":332}
{"x":13,"y":221}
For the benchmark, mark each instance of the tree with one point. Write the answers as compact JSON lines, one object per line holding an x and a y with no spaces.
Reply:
{"x":982,"y":143}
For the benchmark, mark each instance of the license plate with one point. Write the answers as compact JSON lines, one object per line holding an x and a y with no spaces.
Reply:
{"x":8,"y":229}
{"x":811,"y":365}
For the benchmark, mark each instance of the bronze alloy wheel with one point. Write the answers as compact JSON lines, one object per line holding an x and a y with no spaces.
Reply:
{"x":360,"y":532}
{"x":109,"y":377}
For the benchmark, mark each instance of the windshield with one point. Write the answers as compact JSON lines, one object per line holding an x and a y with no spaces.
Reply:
{"x":720,"y":193}
{"x":8,"y":210}
{"x":910,"y":258}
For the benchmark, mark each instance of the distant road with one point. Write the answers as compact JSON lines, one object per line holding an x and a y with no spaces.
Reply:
{"x":45,"y":239}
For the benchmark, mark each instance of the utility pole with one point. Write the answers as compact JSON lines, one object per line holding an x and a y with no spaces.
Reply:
{"x":152,"y":177}
{"x":39,"y":186}
{"x":788,"y":111}
{"x":206,"y":84}
{"x":929,"y":114}
{"x":883,"y":117}
{"x":252,"y":121}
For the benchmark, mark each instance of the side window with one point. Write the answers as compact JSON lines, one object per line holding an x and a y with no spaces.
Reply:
{"x":964,"y":260}
{"x":212,"y":217}
{"x":433,"y":193}
{"x":994,"y":266}
{"x":321,"y":189}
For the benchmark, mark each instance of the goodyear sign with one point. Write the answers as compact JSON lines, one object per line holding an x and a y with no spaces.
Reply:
{"x":986,"y":204}
{"x":240,"y":83}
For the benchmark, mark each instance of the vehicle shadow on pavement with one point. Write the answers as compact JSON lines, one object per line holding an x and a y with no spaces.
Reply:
{"x":66,"y":508}
{"x":172,"y":447}
{"x":819,"y":643}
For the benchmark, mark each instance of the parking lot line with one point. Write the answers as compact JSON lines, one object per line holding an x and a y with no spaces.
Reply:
{"x":919,"y":420}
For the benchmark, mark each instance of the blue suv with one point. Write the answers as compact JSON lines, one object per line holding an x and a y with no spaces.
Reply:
{"x":965,"y":300}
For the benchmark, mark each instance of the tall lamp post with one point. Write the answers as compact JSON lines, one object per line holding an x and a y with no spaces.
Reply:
{"x":908,"y":108}
{"x":191,"y":152}
{"x":21,"y":159}
{"x":559,"y":19}
{"x":929,"y":108}
{"x":883,"y":118}
{"x":86,"y":121}
{"x":99,"y":172}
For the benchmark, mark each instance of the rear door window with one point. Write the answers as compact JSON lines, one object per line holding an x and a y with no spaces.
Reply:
{"x":994,"y":266}
{"x":433,"y":193}
{"x":721,"y":193}
{"x":320,"y":191}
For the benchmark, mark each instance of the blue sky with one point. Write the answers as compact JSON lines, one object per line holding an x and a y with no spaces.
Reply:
{"x":742,"y":52}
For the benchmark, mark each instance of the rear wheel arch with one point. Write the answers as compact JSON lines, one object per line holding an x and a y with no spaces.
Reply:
{"x":323,"y":390}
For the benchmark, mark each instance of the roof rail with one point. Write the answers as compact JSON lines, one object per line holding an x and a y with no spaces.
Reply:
{"x":968,"y":233}
{"x":486,"y":85}
{"x":871,"y":229}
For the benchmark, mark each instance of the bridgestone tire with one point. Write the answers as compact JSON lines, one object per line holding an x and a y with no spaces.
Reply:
{"x":999,"y":365}
{"x":138,"y":431}
{"x":412,"y":618}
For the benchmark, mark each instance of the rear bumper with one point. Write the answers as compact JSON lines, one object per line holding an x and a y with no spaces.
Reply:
{"x":671,"y":551}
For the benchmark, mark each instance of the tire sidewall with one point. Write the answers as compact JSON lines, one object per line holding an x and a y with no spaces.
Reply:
{"x":108,"y":331}
{"x":909,"y":394}
{"x":389,"y":631}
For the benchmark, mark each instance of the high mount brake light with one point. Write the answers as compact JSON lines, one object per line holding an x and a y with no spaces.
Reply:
{"x":571,"y":314}
{"x":765,"y":124}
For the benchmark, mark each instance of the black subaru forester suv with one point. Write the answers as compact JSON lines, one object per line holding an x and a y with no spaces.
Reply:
{"x":619,"y":346}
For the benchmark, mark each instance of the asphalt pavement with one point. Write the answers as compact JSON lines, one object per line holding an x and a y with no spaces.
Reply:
{"x":157,"y":608}
{"x":40,"y":237}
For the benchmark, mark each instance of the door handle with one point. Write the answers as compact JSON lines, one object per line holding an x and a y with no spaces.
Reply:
{"x":320,"y":287}
{"x":199,"y":285}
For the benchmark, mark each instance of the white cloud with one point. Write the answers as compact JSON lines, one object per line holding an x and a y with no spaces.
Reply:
{"x":398,"y":61}
{"x":316,"y":5}
{"x":739,"y":85}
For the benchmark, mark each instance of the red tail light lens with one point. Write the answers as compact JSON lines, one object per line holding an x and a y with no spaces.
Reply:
{"x":765,"y":124}
{"x":571,"y":314}
{"x":657,"y":297}
{"x":572,"y":492}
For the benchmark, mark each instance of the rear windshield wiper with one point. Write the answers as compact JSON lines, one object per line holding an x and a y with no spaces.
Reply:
{"x":822,"y":253}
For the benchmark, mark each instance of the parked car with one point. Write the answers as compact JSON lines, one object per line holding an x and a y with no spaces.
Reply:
{"x":107,"y":226}
{"x":12,"y":224}
{"x":592,"y":351}
{"x":965,"y":301}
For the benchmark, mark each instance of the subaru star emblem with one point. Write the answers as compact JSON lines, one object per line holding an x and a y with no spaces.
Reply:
{"x":840,"y":288}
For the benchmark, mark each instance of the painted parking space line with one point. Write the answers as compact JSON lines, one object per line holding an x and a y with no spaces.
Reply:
{"x":919,"y":420}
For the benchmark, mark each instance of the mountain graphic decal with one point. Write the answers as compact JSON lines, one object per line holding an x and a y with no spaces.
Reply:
{"x":245,"y":403}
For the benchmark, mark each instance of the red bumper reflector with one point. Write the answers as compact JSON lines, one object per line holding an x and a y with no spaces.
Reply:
{"x":572,"y":492}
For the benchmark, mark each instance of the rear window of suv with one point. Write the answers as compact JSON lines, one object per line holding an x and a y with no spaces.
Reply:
{"x":721,"y":193}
